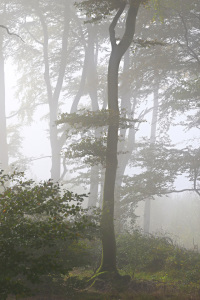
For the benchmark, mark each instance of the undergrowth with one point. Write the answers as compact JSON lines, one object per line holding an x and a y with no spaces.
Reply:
{"x":158,"y":268}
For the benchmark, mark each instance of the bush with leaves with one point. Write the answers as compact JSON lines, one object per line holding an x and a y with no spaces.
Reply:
{"x":184,"y":264}
{"x":139,"y":252}
{"x":147,"y":253}
{"x":42,"y":229}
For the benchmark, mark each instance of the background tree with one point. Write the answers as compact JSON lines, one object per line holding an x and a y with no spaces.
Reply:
{"x":9,"y":41}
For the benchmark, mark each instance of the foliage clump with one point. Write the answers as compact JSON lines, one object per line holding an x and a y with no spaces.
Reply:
{"x":85,"y":119}
{"x":98,"y":10}
{"x":91,"y":149}
{"x":91,"y":146}
{"x":41,"y":233}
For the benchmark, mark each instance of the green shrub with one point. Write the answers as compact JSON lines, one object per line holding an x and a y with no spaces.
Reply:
{"x":147,"y":253}
{"x":42,"y":228}
{"x":139,"y":252}
{"x":184,"y":264}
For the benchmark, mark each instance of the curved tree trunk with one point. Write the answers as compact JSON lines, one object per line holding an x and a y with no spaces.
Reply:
{"x":108,"y":262}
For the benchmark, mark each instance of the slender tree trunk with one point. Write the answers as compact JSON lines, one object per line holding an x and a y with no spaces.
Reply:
{"x":155,"y":108}
{"x":102,"y":176}
{"x":92,"y":81}
{"x":108,"y":262}
{"x":55,"y":147}
{"x":3,"y":134}
{"x":92,"y":77}
{"x":125,"y":145}
{"x":54,"y":94}
{"x":89,"y":75}
{"x":81,"y":87}
{"x":147,"y":205}
{"x":94,"y":184}
{"x":107,"y":224}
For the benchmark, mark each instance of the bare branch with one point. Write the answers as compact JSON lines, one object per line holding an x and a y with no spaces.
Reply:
{"x":33,"y":159}
{"x":144,"y":112}
{"x":179,"y":191}
{"x":11,"y":33}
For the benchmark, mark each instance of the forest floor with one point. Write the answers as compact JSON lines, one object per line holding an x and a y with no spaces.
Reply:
{"x":144,"y":290}
{"x":159,"y":293}
{"x":137,"y":289}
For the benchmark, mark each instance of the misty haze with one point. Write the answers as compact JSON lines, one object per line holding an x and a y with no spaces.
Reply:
{"x":99,"y":149}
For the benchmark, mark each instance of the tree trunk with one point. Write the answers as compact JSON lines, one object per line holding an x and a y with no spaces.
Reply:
{"x":55,"y":147}
{"x":108,"y":262}
{"x":94,"y":185}
{"x":92,"y":76}
{"x":53,"y":95}
{"x":147,"y":205}
{"x":3,"y":134}
{"x":89,"y":73}
{"x":92,"y":81}
{"x":125,"y":145}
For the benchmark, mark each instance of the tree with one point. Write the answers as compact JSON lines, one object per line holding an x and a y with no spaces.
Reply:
{"x":108,"y":262}
{"x":57,"y":44}
{"x":147,"y":69}
{"x":177,"y":64}
{"x":7,"y":36}
{"x":43,"y":83}
{"x":54,"y":93}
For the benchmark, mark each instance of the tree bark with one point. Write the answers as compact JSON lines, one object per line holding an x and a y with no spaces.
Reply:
{"x":108,"y":262}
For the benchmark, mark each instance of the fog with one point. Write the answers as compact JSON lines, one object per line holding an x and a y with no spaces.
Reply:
{"x":50,"y":74}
